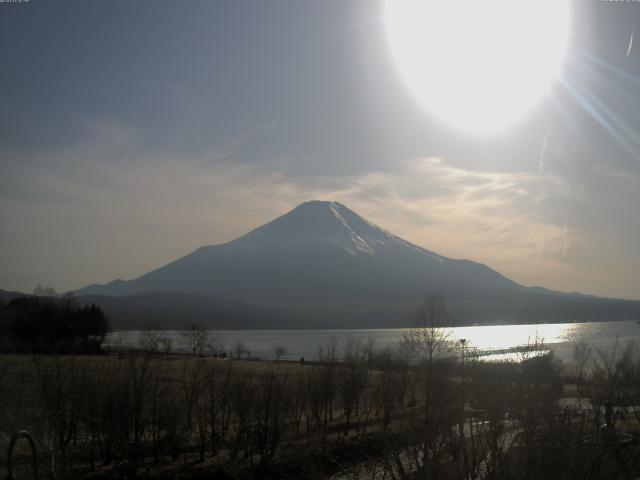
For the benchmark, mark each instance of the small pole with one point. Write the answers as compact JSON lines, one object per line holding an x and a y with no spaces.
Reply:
{"x":463,"y":343}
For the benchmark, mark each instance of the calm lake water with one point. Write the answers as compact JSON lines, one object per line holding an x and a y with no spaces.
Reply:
{"x":491,"y":342}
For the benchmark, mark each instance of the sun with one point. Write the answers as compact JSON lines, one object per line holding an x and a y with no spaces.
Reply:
{"x":478,"y":65}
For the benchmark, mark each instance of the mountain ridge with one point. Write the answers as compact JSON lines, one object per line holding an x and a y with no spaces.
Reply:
{"x":313,"y":230}
{"x":323,"y":259}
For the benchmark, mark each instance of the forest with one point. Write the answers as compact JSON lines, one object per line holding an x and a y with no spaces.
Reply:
{"x":48,"y":323}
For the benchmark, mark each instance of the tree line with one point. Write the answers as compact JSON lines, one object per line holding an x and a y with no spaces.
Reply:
{"x":48,"y":323}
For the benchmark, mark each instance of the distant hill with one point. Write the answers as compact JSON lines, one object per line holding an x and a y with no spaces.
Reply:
{"x":166,"y":310}
{"x":6,"y":296}
{"x":319,"y":253}
{"x":323,"y":265}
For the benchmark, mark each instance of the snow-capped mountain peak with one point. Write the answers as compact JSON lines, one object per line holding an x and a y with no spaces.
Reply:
{"x":319,"y":250}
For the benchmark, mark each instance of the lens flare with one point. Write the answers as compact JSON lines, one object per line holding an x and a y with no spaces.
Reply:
{"x":479,"y":65}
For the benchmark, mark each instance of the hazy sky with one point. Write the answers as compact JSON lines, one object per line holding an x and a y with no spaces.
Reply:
{"x":132,"y":132}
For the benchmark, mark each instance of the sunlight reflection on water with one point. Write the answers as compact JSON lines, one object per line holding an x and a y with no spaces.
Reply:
{"x":492,"y":341}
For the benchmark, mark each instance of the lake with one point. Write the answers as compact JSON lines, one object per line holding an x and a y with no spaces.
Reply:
{"x":490,"y":342}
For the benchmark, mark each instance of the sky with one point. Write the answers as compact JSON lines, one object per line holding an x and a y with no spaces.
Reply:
{"x":132,"y":132}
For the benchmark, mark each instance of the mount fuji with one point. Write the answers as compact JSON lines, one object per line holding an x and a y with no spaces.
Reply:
{"x":323,"y":265}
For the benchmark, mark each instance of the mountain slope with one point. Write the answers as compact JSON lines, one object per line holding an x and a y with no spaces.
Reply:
{"x":319,"y":252}
{"x":322,"y":264}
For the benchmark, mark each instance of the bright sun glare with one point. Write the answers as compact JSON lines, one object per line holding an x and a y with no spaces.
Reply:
{"x":479,"y":65}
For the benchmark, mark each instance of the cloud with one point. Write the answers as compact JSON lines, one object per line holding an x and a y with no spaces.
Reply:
{"x":106,"y":208}
{"x":466,"y":213}
{"x":537,"y":228}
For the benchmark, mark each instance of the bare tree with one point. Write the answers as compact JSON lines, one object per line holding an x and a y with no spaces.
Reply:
{"x":59,"y":397}
{"x":272,"y":409}
{"x":158,"y":393}
{"x":328,"y":357}
{"x":217,"y":344}
{"x":240,"y":349}
{"x":581,"y":356}
{"x":217,"y":402}
{"x":192,"y":386}
{"x":242,"y":401}
{"x":41,"y":291}
{"x":196,"y":338}
{"x":428,"y":345}
{"x":430,"y":339}
{"x":279,"y":351}
{"x":610,"y":369}
{"x":352,"y":379}
{"x":166,"y":345}
{"x":151,"y":339}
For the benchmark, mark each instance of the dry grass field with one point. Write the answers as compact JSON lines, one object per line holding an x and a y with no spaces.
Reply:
{"x":359,"y":415}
